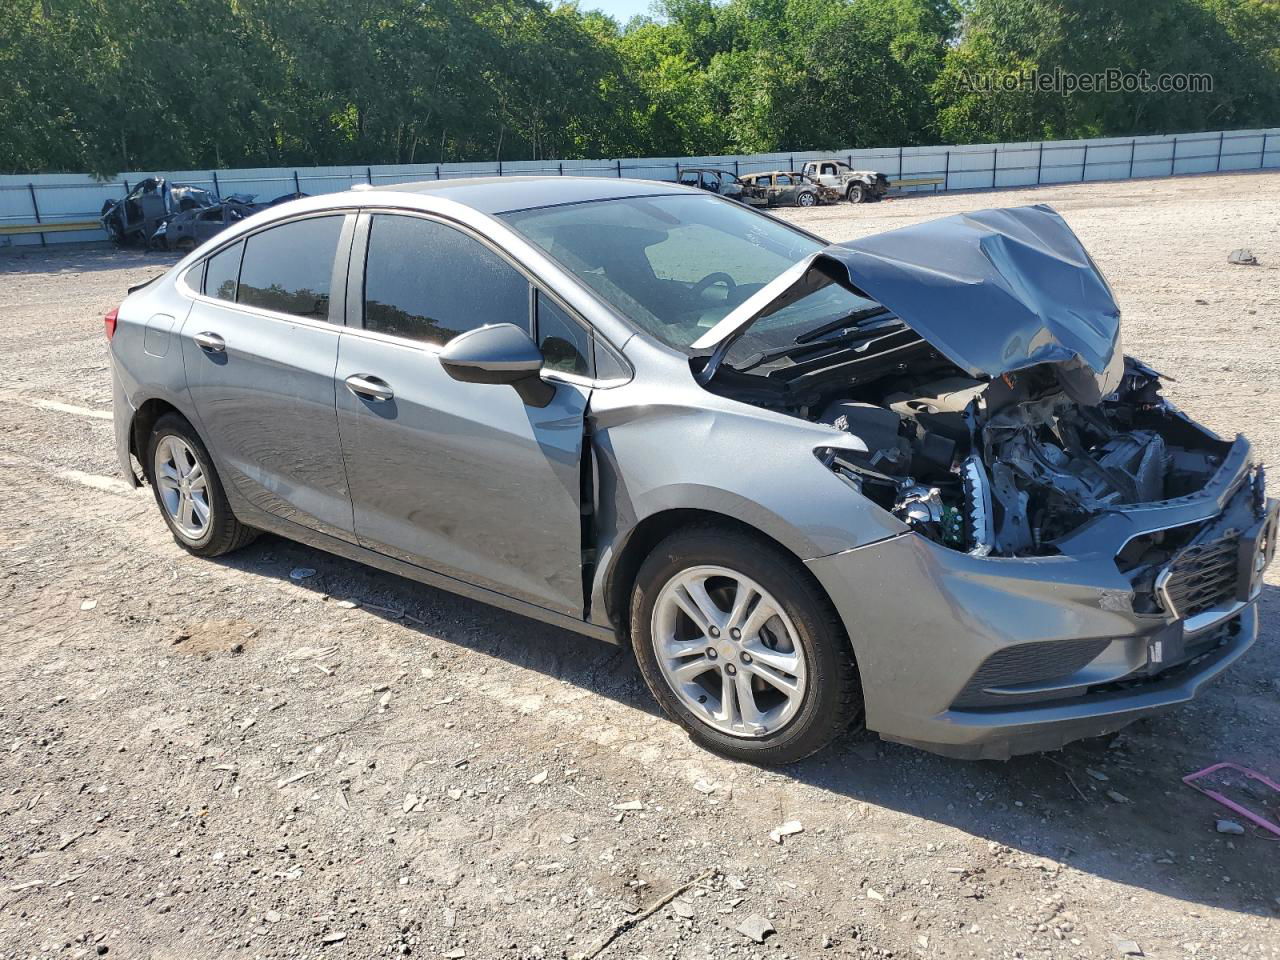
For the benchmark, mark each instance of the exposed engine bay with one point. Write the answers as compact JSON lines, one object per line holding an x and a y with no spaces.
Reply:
{"x":999,"y":467}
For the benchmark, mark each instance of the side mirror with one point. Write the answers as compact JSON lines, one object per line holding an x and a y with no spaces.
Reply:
{"x":502,"y":353}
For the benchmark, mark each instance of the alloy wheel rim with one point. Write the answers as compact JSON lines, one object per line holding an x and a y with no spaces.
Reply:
{"x":183,"y":486}
{"x":729,"y":652}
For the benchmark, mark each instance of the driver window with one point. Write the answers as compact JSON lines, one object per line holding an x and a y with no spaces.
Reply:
{"x":427,"y":281}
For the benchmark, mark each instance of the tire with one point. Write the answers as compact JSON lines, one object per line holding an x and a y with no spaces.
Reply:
{"x":806,"y":200}
{"x":805,"y":635}
{"x":857,"y":193}
{"x":172,"y":446}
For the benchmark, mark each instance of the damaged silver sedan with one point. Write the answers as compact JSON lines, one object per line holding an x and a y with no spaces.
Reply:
{"x":911,"y":479}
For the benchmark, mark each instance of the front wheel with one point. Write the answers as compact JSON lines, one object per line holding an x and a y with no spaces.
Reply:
{"x":857,"y":193}
{"x":806,"y":200}
{"x":741,"y":648}
{"x":189,"y":491}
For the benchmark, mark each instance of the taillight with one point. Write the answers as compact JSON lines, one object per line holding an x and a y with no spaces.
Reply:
{"x":110,"y":322}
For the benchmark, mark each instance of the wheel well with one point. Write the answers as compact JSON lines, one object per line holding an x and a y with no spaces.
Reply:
{"x":646,"y":535}
{"x":144,"y":418}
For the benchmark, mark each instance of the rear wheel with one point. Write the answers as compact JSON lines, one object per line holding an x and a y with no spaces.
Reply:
{"x":189,"y":492}
{"x":741,"y":648}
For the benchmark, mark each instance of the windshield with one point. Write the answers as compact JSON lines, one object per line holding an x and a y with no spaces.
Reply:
{"x":675,"y":265}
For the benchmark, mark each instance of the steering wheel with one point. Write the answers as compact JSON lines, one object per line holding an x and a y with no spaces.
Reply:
{"x":710,"y":280}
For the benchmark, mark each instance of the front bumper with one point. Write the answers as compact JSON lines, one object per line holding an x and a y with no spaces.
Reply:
{"x":940,"y":637}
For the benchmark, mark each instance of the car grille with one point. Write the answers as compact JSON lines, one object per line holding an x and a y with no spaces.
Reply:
{"x":1027,"y":663}
{"x":1202,"y":576}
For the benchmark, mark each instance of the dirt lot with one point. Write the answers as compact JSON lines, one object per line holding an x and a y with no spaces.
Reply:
{"x":209,"y":759}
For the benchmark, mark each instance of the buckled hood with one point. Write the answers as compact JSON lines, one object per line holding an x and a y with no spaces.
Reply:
{"x":995,"y":291}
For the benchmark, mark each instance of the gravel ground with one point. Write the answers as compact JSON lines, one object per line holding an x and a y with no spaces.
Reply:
{"x":210,"y":759}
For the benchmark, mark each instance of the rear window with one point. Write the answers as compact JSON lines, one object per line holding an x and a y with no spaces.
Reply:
{"x":289,"y":268}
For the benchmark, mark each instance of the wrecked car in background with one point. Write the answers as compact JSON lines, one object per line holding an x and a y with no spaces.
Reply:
{"x":187,"y":230}
{"x":721,"y":182}
{"x":912,"y":477}
{"x":856,"y":186}
{"x":781,"y":188}
{"x":135,"y":217}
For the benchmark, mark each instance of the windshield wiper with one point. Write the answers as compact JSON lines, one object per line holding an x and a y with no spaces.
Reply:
{"x":845,"y":321}
{"x":806,"y":341}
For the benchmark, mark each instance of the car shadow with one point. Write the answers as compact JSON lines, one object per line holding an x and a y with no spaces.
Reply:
{"x":1112,"y":807}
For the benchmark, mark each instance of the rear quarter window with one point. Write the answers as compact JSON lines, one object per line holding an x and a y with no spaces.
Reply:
{"x":222,"y":271}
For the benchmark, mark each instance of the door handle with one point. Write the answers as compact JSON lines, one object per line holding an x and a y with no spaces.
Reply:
{"x":369,"y":388}
{"x":210,"y":342}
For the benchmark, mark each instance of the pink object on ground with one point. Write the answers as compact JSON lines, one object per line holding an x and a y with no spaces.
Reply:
{"x":1231,"y":804}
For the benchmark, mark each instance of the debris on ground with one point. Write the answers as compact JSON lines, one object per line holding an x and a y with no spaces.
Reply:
{"x":1230,"y":826}
{"x":756,"y":928}
{"x":788,"y":829}
{"x":1243,"y":258}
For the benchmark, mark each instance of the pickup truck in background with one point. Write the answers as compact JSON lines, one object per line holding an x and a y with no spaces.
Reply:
{"x":856,"y":186}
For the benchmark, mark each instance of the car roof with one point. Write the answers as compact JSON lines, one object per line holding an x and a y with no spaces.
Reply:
{"x":494,"y":195}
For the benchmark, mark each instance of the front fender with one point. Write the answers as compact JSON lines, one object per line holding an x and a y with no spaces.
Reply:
{"x":696,"y":451}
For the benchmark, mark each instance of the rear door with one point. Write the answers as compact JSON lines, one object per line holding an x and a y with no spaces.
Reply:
{"x":786,"y":187}
{"x":461,"y":478}
{"x":260,"y":346}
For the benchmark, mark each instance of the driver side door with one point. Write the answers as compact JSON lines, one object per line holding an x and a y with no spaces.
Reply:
{"x":463,"y":479}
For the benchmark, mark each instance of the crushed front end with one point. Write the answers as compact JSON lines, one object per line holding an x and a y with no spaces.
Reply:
{"x":1079,"y":552}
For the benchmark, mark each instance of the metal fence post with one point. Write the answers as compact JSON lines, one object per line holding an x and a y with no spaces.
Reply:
{"x":499,"y":166}
{"x":562,"y":168}
{"x":899,"y":163}
{"x":619,"y":169}
{"x":297,"y":187}
{"x":735,"y":168}
{"x":1133,"y":144}
{"x":1173,"y":157}
{"x":993,"y":166}
{"x":946,"y":172}
{"x":1262,"y":160}
{"x":368,"y":175}
{"x":1039,"y":162}
{"x":1084,"y":163}
{"x":1221,"y":136}
{"x":216,"y":187}
{"x":35,"y":208}
{"x":437,"y":171}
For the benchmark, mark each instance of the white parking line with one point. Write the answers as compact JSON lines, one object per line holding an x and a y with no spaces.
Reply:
{"x":98,"y":482}
{"x":67,"y":408}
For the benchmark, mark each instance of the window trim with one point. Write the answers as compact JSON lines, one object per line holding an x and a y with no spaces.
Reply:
{"x":337,"y":280}
{"x":355,"y":296}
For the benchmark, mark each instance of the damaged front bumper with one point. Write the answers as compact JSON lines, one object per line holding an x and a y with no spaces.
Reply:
{"x":987,"y":657}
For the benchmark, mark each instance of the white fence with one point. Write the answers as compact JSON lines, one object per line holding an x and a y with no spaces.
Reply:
{"x":63,"y":201}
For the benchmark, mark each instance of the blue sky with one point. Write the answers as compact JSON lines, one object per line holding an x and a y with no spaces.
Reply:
{"x":620,"y":10}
